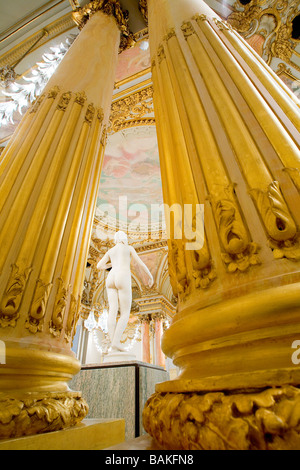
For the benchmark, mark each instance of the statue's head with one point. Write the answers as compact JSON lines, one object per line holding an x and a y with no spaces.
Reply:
{"x":121,"y":237}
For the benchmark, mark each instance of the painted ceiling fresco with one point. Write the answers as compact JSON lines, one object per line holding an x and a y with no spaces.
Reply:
{"x":131,"y":178}
{"x":152,"y":261}
{"x":133,"y":61}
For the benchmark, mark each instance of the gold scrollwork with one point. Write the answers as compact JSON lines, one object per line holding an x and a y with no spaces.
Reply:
{"x":40,"y":413}
{"x":262,"y":420}
{"x":64,"y":101}
{"x":100,"y":114}
{"x":177,"y":268}
{"x":273,"y":21}
{"x":161,"y":53}
{"x":60,"y":305}
{"x":80,"y":98}
{"x":131,"y":111}
{"x":276,"y":216}
{"x":104,"y":137}
{"x":242,"y":261}
{"x":199,"y":18}
{"x":53,"y":92}
{"x":90,"y":113}
{"x":12,"y":297}
{"x":222,"y":25}
{"x":241,"y":20}
{"x":110,"y":8}
{"x":280,"y":226}
{"x":37,"y":312}
{"x":239,"y":252}
{"x":204,"y":272}
{"x":187,"y":29}
{"x":232,"y":231}
{"x":143,"y":7}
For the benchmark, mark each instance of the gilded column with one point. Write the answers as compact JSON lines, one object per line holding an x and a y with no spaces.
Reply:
{"x":228,"y":136}
{"x":49,"y":179}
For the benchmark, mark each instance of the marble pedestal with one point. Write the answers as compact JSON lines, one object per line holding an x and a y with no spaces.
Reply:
{"x":119,"y":391}
{"x":119,"y":356}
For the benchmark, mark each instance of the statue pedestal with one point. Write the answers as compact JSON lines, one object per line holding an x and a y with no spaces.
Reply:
{"x":119,"y":391}
{"x":119,"y":356}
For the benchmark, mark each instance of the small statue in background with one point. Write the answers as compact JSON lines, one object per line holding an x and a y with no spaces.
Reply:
{"x":118,"y":286}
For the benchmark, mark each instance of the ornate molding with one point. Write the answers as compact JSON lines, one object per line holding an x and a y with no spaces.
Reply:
{"x":60,"y":305}
{"x":73,"y":317}
{"x":13,"y":295}
{"x":272,"y":20}
{"x":279,"y":223}
{"x":64,"y":101}
{"x":143,"y":7}
{"x":239,"y":253}
{"x":37,"y":312}
{"x":110,"y":8}
{"x":265,"y":420}
{"x":39,"y":413}
{"x":54,"y":29}
{"x":133,"y":110}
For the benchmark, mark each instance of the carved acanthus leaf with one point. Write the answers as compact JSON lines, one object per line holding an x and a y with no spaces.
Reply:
{"x":266,"y":420}
{"x":276,"y":217}
{"x":37,"y":414}
{"x":56,"y":323}
{"x":132,"y":110}
{"x":13,"y":295}
{"x":38,"y":307}
{"x":110,"y":8}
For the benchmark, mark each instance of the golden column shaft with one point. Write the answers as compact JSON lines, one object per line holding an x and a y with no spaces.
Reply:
{"x":234,"y":128}
{"x":50,"y":175}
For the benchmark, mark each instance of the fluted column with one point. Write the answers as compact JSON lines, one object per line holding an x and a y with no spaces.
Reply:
{"x":49,"y":179}
{"x":228,"y":133}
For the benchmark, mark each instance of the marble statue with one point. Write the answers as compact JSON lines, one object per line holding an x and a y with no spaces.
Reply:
{"x":118,"y":286}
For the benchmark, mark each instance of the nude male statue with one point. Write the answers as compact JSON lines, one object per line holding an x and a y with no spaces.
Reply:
{"x":118,"y":286}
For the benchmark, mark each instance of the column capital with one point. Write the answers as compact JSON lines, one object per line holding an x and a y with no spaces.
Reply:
{"x":109,"y":8}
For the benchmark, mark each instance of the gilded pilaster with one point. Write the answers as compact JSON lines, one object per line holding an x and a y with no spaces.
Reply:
{"x":228,"y":138}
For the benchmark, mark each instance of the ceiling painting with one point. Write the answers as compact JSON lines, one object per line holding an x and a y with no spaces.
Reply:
{"x":133,"y":61}
{"x":131,"y":180}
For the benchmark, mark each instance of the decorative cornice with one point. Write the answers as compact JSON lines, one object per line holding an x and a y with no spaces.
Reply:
{"x":133,"y":110}
{"x":54,"y":29}
{"x":110,"y":8}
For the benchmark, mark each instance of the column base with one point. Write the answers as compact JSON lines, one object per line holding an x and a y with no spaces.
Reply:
{"x":91,"y":434}
{"x":266,"y":419}
{"x":36,"y":413}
